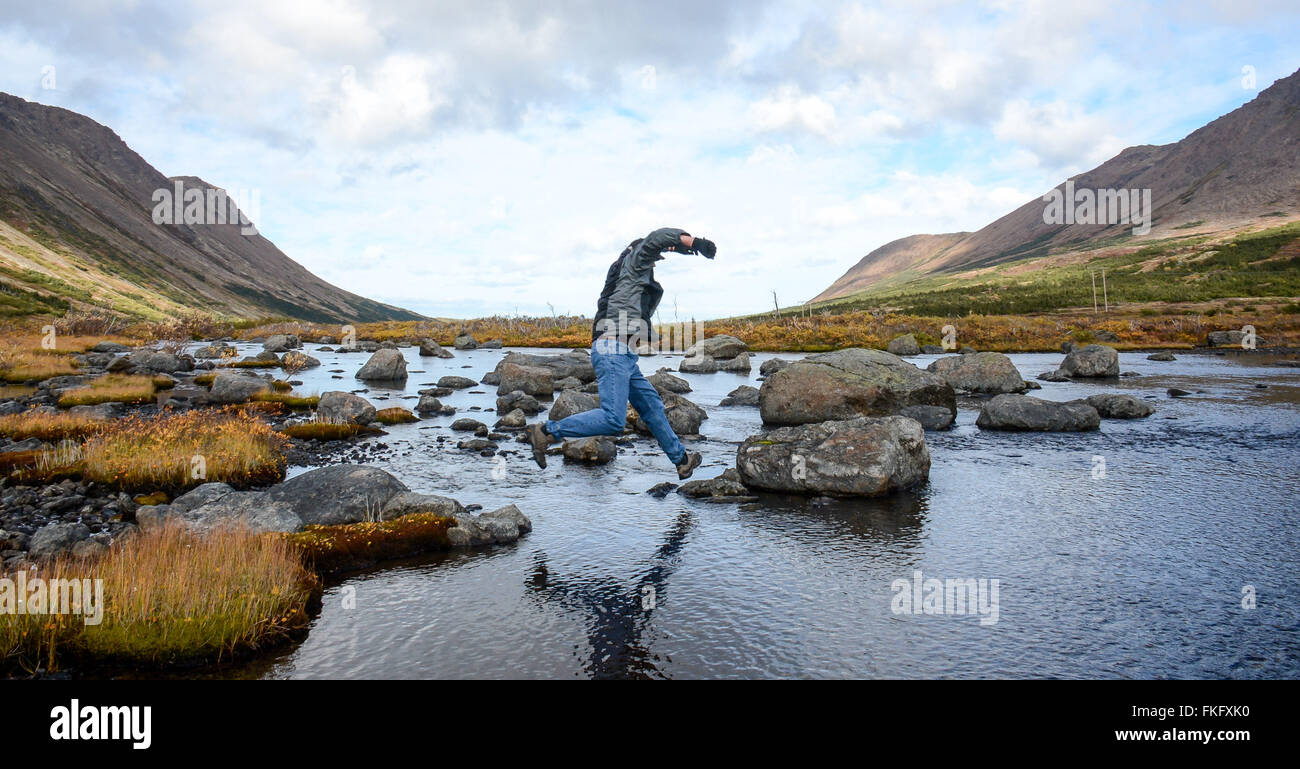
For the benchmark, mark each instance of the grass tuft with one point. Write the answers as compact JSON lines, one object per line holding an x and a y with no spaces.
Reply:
{"x":355,"y":545}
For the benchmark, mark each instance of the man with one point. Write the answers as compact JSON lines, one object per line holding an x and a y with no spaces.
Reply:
{"x":627,"y":303}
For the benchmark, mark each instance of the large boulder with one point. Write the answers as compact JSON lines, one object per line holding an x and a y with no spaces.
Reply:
{"x":904,"y":345}
{"x":234,"y":387}
{"x":866,"y":456}
{"x":980,"y":372}
{"x":683,"y":415}
{"x":533,"y":380}
{"x":1233,"y":337}
{"x":344,"y":408}
{"x":215,"y":506}
{"x":1094,"y":360}
{"x":570,"y":364}
{"x":722,"y":346}
{"x":572,"y":402}
{"x":849,"y":383}
{"x":338,"y":494}
{"x":386,"y":365}
{"x":737,"y":365}
{"x":1120,"y":406}
{"x":465,"y":341}
{"x":1027,"y":414}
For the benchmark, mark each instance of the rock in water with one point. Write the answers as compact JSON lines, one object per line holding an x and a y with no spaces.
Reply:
{"x":384,"y":366}
{"x":572,"y":402}
{"x":230,"y":387}
{"x":456,"y":382}
{"x":595,"y":450}
{"x":849,"y":383}
{"x":532,"y":380}
{"x":281,"y":343}
{"x":344,"y":408}
{"x":979,"y":372}
{"x":1025,"y":413}
{"x":1094,"y":360}
{"x":722,"y":346}
{"x":430,"y":348}
{"x":663,"y":379}
{"x":772,"y":366}
{"x":930,"y":417}
{"x":698,"y":364}
{"x":683,"y":415}
{"x":519,"y":400}
{"x":904,"y":345}
{"x":866,"y":456}
{"x":1162,"y":356}
{"x":465,"y":342}
{"x":741,"y":396}
{"x":1118,"y":406}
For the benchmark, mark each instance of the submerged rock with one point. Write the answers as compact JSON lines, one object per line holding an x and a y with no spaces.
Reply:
{"x":865,"y":456}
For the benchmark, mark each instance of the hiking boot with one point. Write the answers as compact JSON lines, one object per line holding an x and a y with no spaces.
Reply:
{"x":540,"y":441}
{"x":688,"y":465}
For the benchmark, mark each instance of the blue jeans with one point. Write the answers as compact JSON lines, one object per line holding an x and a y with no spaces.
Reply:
{"x":620,"y":380}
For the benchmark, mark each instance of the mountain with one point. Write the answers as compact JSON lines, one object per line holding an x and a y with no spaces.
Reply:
{"x":77,"y":231}
{"x":1239,"y":171}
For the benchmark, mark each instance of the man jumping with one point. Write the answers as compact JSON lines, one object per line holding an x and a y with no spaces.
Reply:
{"x":627,"y":303}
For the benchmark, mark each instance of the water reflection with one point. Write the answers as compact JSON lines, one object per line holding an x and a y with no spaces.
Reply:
{"x":617,"y":610}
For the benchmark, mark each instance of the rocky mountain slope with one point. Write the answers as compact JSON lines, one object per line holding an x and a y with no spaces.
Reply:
{"x":77,"y":231}
{"x":1238,"y":172}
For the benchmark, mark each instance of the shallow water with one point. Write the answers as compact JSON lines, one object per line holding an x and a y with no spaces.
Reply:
{"x":1137,"y":574}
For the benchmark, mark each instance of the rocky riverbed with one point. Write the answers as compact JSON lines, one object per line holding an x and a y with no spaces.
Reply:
{"x":712,"y":577}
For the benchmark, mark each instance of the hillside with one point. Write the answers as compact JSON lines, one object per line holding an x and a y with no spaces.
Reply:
{"x":76,"y":231}
{"x":1235,"y":174}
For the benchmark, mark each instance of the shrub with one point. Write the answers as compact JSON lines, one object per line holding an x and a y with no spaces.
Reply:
{"x":170,"y":596}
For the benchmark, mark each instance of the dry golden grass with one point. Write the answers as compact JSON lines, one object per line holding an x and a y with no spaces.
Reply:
{"x":289,"y":400}
{"x":395,"y":416}
{"x":48,"y":426}
{"x":19,"y":364}
{"x":334,"y":548}
{"x":15,"y":391}
{"x":43,"y":465}
{"x":326,"y":431}
{"x":113,"y":388}
{"x":161,"y":452}
{"x":169,"y":596}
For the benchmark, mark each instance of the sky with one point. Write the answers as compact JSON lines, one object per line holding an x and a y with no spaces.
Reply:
{"x":474,"y":157}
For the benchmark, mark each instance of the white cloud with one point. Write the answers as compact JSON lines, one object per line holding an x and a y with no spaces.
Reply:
{"x":789,"y":110}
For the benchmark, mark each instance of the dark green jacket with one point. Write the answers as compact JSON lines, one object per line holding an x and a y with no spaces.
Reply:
{"x":631,"y":288}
